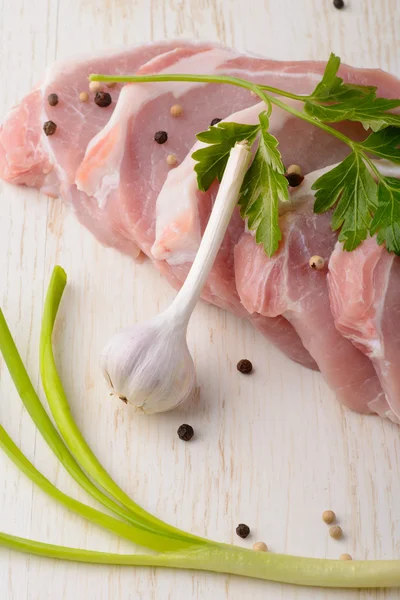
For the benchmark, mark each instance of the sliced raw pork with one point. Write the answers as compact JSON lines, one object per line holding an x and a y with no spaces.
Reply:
{"x":105,"y":163}
{"x":49,"y":163}
{"x":364,"y":288}
{"x":120,"y":219}
{"x":286,"y":285}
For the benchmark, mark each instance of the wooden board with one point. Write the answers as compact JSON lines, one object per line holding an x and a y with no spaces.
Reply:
{"x":272,"y":450}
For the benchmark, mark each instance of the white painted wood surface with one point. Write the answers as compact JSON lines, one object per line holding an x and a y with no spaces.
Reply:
{"x":272,"y":450}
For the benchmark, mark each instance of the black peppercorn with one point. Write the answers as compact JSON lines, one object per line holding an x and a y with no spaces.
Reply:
{"x":52,"y":99}
{"x":49,"y":128}
{"x":161,"y":137}
{"x":338,"y":4}
{"x":243,"y":530}
{"x":215,"y":121}
{"x":244,"y":366}
{"x":294,"y":179}
{"x":185,"y":432}
{"x":103,"y":99}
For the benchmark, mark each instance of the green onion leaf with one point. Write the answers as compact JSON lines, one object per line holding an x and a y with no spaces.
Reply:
{"x":133,"y":533}
{"x":69,"y":430}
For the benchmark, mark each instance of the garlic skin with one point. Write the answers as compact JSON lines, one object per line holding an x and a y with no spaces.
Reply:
{"x":149,"y":365}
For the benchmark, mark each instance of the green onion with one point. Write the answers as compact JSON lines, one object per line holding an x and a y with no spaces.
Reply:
{"x":236,"y":561}
{"x":55,"y":442}
{"x":148,"y":530}
{"x":68,"y":428}
{"x":133,"y":533}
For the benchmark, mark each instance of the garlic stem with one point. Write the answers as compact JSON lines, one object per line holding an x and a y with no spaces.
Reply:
{"x":225,"y":202}
{"x":149,"y":365}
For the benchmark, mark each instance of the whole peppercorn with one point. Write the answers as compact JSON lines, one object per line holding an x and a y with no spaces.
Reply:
{"x":185,"y":432}
{"x":171,"y":160}
{"x":215,"y":121}
{"x":176,"y":110}
{"x":83,"y":96}
{"x":95,"y":86}
{"x":294,"y":179}
{"x":244,"y":366}
{"x":335,"y":532}
{"x":52,"y":99}
{"x":260,"y":547}
{"x":161,"y":137}
{"x":294,"y":169}
{"x":102,"y":99}
{"x":328,"y":516}
{"x":49,"y":128}
{"x":243,"y":530}
{"x":338,"y":4}
{"x":317,"y":263}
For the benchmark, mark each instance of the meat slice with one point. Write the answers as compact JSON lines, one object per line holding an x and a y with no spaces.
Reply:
{"x":364,"y":288}
{"x":29,"y":157}
{"x":286,"y":285}
{"x":111,"y":156}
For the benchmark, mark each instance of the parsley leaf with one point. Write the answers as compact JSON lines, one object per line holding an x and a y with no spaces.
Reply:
{"x":263,"y":188}
{"x":333,"y":101}
{"x":352,"y":186}
{"x":384,"y":143}
{"x":213,"y":158}
{"x":386,"y":221}
{"x":360,"y":206}
{"x":331,"y":87}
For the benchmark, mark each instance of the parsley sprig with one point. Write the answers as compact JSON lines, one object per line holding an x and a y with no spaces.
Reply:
{"x":364,"y":201}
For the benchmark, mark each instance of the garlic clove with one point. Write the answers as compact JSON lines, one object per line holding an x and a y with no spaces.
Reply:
{"x":149,"y":366}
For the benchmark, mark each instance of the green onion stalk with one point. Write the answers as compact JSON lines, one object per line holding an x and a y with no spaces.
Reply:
{"x":69,"y":430}
{"x":228,"y":559}
{"x":177,"y":549}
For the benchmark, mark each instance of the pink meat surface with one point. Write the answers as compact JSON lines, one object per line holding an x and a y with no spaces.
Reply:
{"x":286,"y":285}
{"x":126,"y":215}
{"x":29,"y":157}
{"x":364,"y":291}
{"x":105,"y":163}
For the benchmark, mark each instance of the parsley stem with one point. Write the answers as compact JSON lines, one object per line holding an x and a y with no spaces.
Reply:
{"x":305,"y":117}
{"x":371,"y":165}
{"x":197,"y":79}
{"x":256,"y":88}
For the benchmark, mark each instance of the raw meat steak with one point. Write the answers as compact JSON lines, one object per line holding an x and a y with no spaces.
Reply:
{"x":286,"y":285}
{"x":29,"y":157}
{"x":124,"y":218}
{"x":365,"y":300}
{"x":105,"y":162}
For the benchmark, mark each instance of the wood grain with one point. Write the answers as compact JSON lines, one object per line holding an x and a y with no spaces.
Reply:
{"x":272,"y":450}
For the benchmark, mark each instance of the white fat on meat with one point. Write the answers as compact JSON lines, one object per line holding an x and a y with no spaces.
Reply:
{"x":364,"y":288}
{"x":99,"y":173}
{"x":178,"y":228}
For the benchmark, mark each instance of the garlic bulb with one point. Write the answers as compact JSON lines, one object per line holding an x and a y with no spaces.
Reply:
{"x":149,"y":365}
